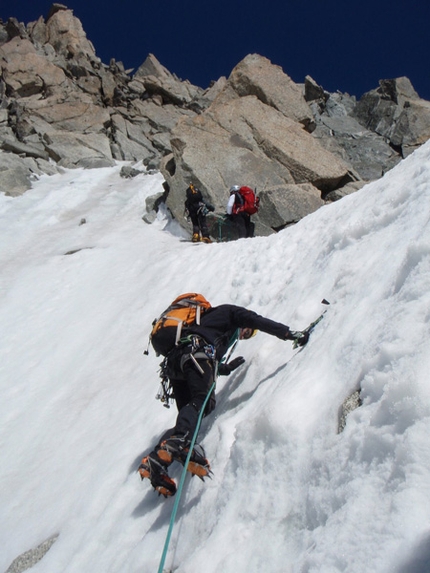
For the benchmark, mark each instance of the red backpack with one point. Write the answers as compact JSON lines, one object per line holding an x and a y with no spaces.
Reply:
{"x":246,"y":201}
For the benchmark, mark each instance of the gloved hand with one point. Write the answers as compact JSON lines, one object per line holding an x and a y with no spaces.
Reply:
{"x":210,"y":207}
{"x":300,"y":338}
{"x":224,"y":369}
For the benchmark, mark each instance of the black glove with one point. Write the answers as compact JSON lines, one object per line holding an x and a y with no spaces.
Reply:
{"x":225,"y":369}
{"x":300,"y":338}
{"x":210,"y":207}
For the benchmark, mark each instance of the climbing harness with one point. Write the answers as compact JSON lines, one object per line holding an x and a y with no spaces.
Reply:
{"x":192,"y":348}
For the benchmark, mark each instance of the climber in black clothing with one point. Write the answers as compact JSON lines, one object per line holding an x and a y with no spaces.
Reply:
{"x":197,"y":209}
{"x":192,"y":368}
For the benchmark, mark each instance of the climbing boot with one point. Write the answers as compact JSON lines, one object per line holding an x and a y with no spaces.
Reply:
{"x":177,"y":448}
{"x":154,"y":469}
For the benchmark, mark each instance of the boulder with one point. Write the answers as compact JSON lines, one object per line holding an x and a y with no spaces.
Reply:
{"x":347,"y":189}
{"x":156,"y":79}
{"x":129,"y":172}
{"x":27,"y":149}
{"x":257,"y":76}
{"x":135,"y":132}
{"x":4,"y":36}
{"x":15,"y":174}
{"x":37,"y":32}
{"x":211,"y":93}
{"x":123,"y":149}
{"x":412,"y":128}
{"x":71,"y":116}
{"x":66,"y":35}
{"x":285,"y":205}
{"x":313,"y":91}
{"x":79,"y":150}
{"x":25,"y":72}
{"x":3,"y":119}
{"x":109,"y":86}
{"x":159,"y":118}
{"x":6,"y":131}
{"x":15,"y":29}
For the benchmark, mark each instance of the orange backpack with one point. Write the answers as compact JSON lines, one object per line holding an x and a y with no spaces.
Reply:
{"x":184,"y":311}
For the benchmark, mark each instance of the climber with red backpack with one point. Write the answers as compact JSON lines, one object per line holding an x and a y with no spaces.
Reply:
{"x":196,"y":340}
{"x":242,"y":203}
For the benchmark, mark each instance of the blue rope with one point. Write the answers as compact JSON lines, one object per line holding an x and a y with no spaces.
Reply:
{"x":181,"y":482}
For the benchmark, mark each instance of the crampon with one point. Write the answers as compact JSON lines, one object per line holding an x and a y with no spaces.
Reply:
{"x":156,"y":472}
{"x":177,"y":448}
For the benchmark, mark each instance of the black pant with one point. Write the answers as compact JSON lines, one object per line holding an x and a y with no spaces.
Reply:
{"x":190,"y":388}
{"x":243,"y":224}
{"x":198,"y":221}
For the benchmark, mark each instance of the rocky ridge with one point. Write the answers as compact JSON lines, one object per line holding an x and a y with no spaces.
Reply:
{"x":300,"y":146}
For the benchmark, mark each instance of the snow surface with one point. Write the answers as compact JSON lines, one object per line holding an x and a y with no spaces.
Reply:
{"x":289,"y":493}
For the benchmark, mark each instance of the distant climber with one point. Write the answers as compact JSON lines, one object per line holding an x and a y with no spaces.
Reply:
{"x":241,"y":205}
{"x":196,"y":209}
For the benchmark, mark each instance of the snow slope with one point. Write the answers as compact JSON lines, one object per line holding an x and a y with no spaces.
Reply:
{"x":289,"y":493}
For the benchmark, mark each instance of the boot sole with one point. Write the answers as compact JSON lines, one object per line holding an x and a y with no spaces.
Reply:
{"x":162,"y":490}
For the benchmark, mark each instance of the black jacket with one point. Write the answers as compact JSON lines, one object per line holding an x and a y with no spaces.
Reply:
{"x":219,"y":324}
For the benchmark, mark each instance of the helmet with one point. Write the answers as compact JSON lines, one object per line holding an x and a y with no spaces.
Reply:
{"x":234,"y":188}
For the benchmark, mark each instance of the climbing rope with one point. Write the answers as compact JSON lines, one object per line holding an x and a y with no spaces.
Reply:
{"x":181,"y":482}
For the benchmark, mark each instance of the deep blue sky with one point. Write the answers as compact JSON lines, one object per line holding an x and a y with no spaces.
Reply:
{"x":344,"y":45}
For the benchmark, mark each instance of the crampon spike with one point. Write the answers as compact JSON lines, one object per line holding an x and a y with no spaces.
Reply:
{"x":199,"y":470}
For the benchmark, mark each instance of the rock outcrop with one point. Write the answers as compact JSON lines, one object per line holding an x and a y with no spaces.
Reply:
{"x":375,"y":133}
{"x":300,"y":146}
{"x":397,"y":113}
{"x":62,"y":107}
{"x":256,"y":133}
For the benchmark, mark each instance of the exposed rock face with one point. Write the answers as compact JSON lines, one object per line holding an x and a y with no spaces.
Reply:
{"x":155,"y":79}
{"x":253,"y":136}
{"x":396,"y":112}
{"x":373,"y":135}
{"x":299,"y":145}
{"x":256,"y":75}
{"x":60,"y":104}
{"x":26,"y":73}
